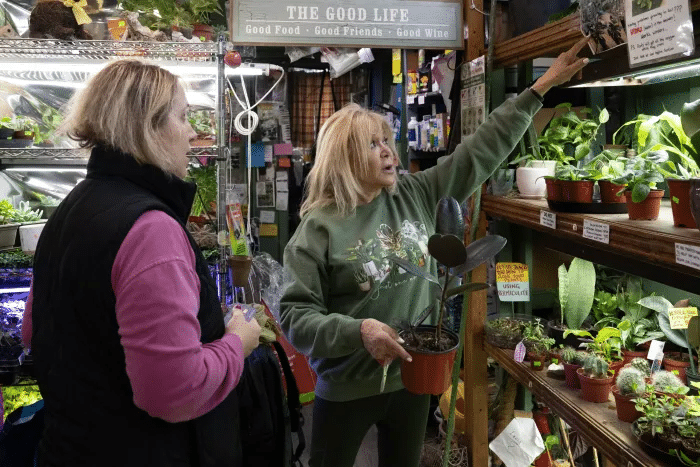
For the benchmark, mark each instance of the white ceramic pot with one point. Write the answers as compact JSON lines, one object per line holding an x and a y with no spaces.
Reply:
{"x":551,"y":166}
{"x":530,"y":181}
{"x":29,"y":237}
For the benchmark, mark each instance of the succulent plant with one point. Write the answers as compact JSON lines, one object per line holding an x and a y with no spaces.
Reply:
{"x":642,"y":364}
{"x":568,"y":354}
{"x":595,"y":367}
{"x":665,"y":381}
{"x":630,"y":381}
{"x":580,"y":357}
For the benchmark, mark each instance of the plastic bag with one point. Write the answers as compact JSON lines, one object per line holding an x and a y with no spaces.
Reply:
{"x":268,"y":282}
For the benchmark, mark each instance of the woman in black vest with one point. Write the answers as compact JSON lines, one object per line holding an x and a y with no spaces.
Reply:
{"x":133,"y":357}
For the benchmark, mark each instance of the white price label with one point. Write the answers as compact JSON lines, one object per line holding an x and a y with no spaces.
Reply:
{"x":656,"y":350}
{"x":421,"y":100}
{"x":688,"y":255}
{"x":548,"y":219}
{"x":410,"y":99}
{"x":596,"y":231}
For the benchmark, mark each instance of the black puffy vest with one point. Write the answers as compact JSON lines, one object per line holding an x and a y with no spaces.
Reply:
{"x":91,"y":419}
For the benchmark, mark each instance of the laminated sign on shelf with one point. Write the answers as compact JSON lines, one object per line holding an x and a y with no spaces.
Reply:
{"x":512,"y":282}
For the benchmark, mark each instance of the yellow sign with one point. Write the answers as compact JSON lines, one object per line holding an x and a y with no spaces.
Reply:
{"x":268,"y":230}
{"x":679,"y":317}
{"x":511,"y":272}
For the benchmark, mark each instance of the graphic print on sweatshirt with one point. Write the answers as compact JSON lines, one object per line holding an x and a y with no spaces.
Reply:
{"x":410,"y":242}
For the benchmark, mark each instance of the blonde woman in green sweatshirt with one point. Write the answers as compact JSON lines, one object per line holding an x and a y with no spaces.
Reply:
{"x":344,"y":290}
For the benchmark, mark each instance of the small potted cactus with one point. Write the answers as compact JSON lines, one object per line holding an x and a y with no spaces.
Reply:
{"x":641,"y":364}
{"x":596,"y":379}
{"x":573,"y":360}
{"x":668,"y":383}
{"x":629,"y":385}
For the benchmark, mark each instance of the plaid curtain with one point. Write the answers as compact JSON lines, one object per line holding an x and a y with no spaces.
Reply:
{"x":306,"y":88}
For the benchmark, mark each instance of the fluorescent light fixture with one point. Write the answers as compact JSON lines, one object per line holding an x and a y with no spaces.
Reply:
{"x":80,"y":170}
{"x":686,"y":71}
{"x":623,"y":81}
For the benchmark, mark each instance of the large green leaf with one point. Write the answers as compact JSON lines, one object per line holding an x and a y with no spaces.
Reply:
{"x":563,"y":290}
{"x":661,"y":306}
{"x":581,"y":289}
{"x":413,"y":269}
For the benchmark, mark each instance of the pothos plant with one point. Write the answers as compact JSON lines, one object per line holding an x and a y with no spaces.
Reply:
{"x":448,"y":249}
{"x":644,"y":171}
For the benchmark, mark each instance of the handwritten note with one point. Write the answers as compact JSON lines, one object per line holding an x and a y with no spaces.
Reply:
{"x":512,"y":282}
{"x":548,"y":219}
{"x":679,"y":317}
{"x":688,"y":255}
{"x":658,"y":34}
{"x":596,"y":231}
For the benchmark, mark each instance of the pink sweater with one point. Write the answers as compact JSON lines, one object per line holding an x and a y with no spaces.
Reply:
{"x":173,"y":376}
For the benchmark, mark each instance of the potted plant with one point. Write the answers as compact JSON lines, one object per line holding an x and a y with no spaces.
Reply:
{"x":573,"y":360}
{"x":44,"y":132}
{"x":24,"y":128}
{"x":661,"y":415}
{"x":199,"y":11}
{"x":576,"y":291}
{"x":6,"y":128}
{"x":8,"y":228}
{"x":668,"y":382}
{"x":205,"y":200}
{"x":596,"y":379}
{"x":576,"y":184}
{"x":537,"y":344}
{"x":612,"y":168}
{"x":202,"y":123}
{"x":641,"y":175}
{"x":607,"y":345}
{"x":629,"y":385}
{"x":505,"y":331}
{"x":165,"y":15}
{"x":432,"y":348}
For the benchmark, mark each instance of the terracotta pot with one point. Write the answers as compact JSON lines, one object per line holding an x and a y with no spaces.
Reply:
{"x":674,"y":361}
{"x":429,"y":372}
{"x":553,"y":189}
{"x":578,"y":191}
{"x":240,"y":269}
{"x":616,"y":365}
{"x":625,"y":407}
{"x":695,"y":200}
{"x":647,"y":209}
{"x":203,"y":31}
{"x":23,"y":134}
{"x":537,"y":361}
{"x":679,"y":192}
{"x":554,"y":357}
{"x":595,"y":389}
{"x":629,"y":355}
{"x":542,"y":420}
{"x":545,"y":460}
{"x":609,"y":192}
{"x":570,"y":375}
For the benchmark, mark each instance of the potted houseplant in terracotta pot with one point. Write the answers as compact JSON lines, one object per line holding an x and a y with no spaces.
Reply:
{"x":613,"y":167}
{"x":642,"y":173}
{"x":629,"y":385}
{"x":606,"y":345}
{"x":576,"y":184}
{"x":572,"y":360}
{"x":199,"y":11}
{"x":537,"y":344}
{"x":596,"y":380}
{"x":432,"y":348}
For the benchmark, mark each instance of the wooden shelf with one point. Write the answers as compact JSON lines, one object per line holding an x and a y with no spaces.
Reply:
{"x":547,"y":41}
{"x":643,"y":248}
{"x":597,"y":423}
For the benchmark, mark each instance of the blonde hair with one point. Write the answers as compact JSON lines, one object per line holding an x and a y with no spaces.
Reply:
{"x":125,"y":106}
{"x":342,"y":159}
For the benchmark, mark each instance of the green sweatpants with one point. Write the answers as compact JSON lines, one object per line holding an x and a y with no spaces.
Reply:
{"x":339,"y":427}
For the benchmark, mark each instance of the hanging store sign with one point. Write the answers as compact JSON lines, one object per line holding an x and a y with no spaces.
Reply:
{"x":512,"y":282}
{"x":396,"y":23}
{"x":658,"y":30}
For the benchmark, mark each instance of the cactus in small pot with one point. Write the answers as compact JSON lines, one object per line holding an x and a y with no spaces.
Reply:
{"x":568,"y":354}
{"x":581,"y":357}
{"x":665,"y":381}
{"x":641,"y":364}
{"x":630,"y":381}
{"x":595,"y":367}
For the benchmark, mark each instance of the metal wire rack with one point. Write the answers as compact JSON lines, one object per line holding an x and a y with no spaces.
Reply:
{"x":104,"y":50}
{"x":36,"y":154}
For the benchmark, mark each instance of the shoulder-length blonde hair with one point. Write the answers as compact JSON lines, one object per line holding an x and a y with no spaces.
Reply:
{"x":342,"y":159}
{"x":125,"y":106}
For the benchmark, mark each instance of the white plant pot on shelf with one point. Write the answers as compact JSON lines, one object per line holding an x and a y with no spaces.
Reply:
{"x":551,"y":166}
{"x":530,"y":181}
{"x":29,"y":236}
{"x":8,"y":235}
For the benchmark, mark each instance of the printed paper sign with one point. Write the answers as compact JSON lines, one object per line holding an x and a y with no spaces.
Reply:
{"x":473,"y":95}
{"x":596,"y":231}
{"x":548,"y":219}
{"x":688,"y":255}
{"x":512,"y":282}
{"x":658,"y":30}
{"x":679,"y":317}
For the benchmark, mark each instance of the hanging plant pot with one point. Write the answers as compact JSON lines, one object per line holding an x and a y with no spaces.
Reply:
{"x":679,"y":193}
{"x":626,"y":410}
{"x":577,"y":191}
{"x":595,"y":389}
{"x":570,"y":375}
{"x":647,"y":209}
{"x":609,"y":192}
{"x":430,"y":372}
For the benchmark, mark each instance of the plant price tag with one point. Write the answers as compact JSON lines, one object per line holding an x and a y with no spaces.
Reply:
{"x":597,"y":231}
{"x":512,"y":282}
{"x":679,"y":317}
{"x":656,"y":350}
{"x":519,"y":354}
{"x":548,"y":219}
{"x":688,"y":255}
